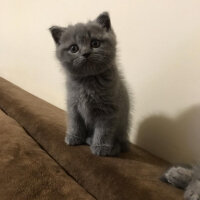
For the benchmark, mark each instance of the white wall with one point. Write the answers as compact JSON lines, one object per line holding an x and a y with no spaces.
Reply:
{"x":159,"y":46}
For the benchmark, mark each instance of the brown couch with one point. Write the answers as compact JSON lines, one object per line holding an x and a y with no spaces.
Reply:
{"x":35,"y":163}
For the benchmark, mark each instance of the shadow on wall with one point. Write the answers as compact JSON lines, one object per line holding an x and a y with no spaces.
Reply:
{"x":176,"y":140}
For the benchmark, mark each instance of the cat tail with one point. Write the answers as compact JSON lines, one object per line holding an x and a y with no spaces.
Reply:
{"x":178,"y":176}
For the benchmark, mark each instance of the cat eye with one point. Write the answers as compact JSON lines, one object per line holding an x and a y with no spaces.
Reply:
{"x":95,"y":43}
{"x":73,"y":48}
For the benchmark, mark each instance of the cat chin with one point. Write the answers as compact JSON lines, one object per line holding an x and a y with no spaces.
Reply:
{"x":82,"y":72}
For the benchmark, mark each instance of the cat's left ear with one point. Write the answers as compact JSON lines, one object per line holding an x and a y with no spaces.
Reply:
{"x":104,"y":20}
{"x":56,"y":33}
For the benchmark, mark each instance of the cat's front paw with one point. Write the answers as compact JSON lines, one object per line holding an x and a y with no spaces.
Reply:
{"x":73,"y":140}
{"x":105,"y":150}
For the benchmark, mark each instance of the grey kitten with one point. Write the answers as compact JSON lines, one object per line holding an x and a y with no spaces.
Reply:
{"x":185,"y":177}
{"x":98,"y":101}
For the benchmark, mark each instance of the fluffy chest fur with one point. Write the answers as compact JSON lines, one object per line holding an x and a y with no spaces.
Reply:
{"x":94,"y":97}
{"x":86,"y":104}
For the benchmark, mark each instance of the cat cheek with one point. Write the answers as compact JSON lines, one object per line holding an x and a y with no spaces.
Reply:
{"x":67,"y":56}
{"x":64,"y":54}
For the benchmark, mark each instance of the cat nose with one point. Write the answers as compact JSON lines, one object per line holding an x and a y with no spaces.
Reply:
{"x":86,"y":54}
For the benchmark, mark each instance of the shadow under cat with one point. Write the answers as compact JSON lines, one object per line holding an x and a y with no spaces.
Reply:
{"x":176,"y":140}
{"x":179,"y":139}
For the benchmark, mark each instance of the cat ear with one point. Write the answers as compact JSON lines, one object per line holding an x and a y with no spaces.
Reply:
{"x":56,"y":33}
{"x":104,"y":20}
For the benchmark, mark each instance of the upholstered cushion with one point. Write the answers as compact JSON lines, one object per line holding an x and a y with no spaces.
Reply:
{"x":133,"y":175}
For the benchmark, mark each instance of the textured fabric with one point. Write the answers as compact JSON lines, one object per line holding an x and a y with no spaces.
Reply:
{"x":27,"y":172}
{"x":133,"y":175}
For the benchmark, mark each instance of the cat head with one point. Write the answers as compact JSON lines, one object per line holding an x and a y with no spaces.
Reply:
{"x":86,"y":49}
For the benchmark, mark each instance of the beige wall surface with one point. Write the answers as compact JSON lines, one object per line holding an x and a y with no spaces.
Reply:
{"x":159,"y":47}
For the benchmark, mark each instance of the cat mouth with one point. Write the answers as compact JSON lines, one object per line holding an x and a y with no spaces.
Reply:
{"x":82,"y":62}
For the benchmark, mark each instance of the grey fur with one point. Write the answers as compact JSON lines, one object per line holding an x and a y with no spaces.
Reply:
{"x":187,"y":178}
{"x":98,"y":101}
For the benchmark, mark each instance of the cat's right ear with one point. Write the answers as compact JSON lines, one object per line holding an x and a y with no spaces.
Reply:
{"x":104,"y":20}
{"x":56,"y":33}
